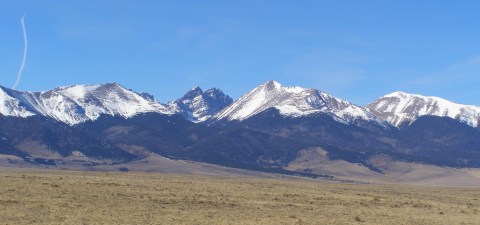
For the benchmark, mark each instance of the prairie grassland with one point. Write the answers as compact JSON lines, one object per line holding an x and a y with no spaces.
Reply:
{"x":58,"y":197}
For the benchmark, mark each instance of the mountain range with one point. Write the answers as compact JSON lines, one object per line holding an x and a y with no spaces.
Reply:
{"x":268,"y":129}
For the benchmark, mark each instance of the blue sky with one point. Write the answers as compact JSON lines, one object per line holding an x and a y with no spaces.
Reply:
{"x":357,"y":50}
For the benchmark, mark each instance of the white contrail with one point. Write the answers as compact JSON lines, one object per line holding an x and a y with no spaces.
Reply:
{"x":19,"y":74}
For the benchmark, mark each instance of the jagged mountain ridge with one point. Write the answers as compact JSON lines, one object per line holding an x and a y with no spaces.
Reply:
{"x":77,"y":104}
{"x":199,"y":106}
{"x":293,"y":102}
{"x":81,"y":103}
{"x":399,"y":109}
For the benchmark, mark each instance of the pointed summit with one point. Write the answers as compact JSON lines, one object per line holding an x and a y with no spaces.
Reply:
{"x":195,"y":91}
{"x":271,"y":84}
{"x":198,"y":106}
{"x":196,"y":88}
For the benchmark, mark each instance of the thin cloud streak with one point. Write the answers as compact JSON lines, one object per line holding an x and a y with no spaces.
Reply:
{"x":24,"y":58}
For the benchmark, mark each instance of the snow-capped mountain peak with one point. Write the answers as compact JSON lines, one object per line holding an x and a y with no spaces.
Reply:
{"x":78,"y":103}
{"x":292,"y":101}
{"x":198,"y":106}
{"x":399,"y":108}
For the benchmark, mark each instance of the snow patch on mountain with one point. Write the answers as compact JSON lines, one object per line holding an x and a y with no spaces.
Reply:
{"x":399,"y":108}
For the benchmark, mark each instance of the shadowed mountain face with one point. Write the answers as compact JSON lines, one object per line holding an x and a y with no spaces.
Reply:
{"x":7,"y":148}
{"x":270,"y":139}
{"x":344,"y":141}
{"x":440,"y":141}
{"x":39,"y":137}
{"x":167,"y":135}
{"x":174,"y":137}
{"x":246,"y":148}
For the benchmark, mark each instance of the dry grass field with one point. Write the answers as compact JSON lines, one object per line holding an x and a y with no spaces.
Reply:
{"x":58,"y":197}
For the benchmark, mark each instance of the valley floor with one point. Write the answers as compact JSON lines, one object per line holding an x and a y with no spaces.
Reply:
{"x":64,"y":197}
